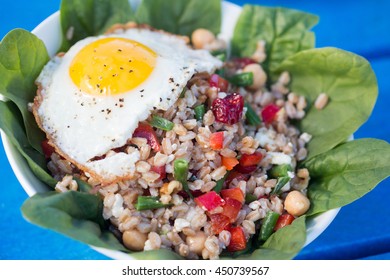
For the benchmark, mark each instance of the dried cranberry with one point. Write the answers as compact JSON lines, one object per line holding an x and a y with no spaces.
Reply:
{"x":229,"y":109}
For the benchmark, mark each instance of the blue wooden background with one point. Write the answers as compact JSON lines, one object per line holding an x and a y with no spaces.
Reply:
{"x":360,"y":231}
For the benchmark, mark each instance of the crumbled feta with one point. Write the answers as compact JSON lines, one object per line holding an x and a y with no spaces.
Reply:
{"x":264,"y":137}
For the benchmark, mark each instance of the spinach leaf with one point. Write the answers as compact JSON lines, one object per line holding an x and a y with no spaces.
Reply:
{"x":346,"y":173}
{"x":11,"y":124}
{"x":75,"y":214}
{"x":181,"y":17}
{"x":285,"y":32}
{"x":83,"y":18}
{"x":349,"y":82}
{"x":283,"y":244}
{"x":22,"y":57}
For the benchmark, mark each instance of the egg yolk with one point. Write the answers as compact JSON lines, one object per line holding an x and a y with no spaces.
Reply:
{"x":112,"y":66}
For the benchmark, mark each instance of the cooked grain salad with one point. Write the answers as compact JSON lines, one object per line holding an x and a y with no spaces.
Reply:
{"x":216,"y":170}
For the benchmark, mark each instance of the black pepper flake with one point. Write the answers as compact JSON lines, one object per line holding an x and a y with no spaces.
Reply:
{"x":114,"y":75}
{"x":98,"y":85}
{"x":113,"y":140}
{"x":82,"y":104}
{"x":68,"y":126}
{"x":121,"y":99}
{"x":154,"y":108}
{"x":142,"y":95}
{"x":89,"y":77}
{"x":119,"y":50}
{"x":108,"y":111}
{"x":131,"y":71}
{"x":130,"y":60}
{"x":171,"y":80}
{"x":177,"y":85}
{"x":160,"y":99}
{"x":121,"y":105}
{"x":168,"y":99}
{"x":102,"y":111}
{"x":105,"y":65}
{"x":121,"y":68}
{"x":116,"y":104}
{"x":142,"y":90}
{"x":101,"y":91}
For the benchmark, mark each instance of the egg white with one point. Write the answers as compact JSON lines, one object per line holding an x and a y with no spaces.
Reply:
{"x":82,"y":126}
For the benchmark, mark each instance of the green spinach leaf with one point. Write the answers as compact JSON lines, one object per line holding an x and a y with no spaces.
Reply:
{"x":75,"y":214}
{"x":346,"y":173}
{"x":83,"y":18}
{"x":22,"y":57}
{"x":349,"y":82}
{"x":11,"y":124}
{"x":181,"y":17}
{"x":285,"y":32}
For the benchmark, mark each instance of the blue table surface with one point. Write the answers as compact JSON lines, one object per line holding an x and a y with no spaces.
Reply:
{"x":361,"y":230}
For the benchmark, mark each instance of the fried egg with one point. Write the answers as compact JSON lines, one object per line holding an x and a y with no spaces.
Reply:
{"x":91,"y":99}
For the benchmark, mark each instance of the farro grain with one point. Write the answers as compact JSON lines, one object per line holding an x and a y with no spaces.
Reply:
{"x":321,"y":101}
{"x":218,"y":173}
{"x":224,"y":236}
{"x":249,"y":226}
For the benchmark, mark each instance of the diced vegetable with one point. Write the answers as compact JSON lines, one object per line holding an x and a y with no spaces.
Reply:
{"x":251,"y":117}
{"x":268,"y":225}
{"x":280,"y":170}
{"x":47,"y":149}
{"x":284,"y":220}
{"x":200,"y":110}
{"x":216,"y":140}
{"x":229,"y":162}
{"x":209,"y":201}
{"x":252,"y":159}
{"x":144,"y":130}
{"x":231,"y":208}
{"x":219,"y":222}
{"x":218,"y":82}
{"x":235,"y":193}
{"x":250,"y":198}
{"x":237,"y":239}
{"x":180,"y":173}
{"x":183,"y":92}
{"x":160,"y":170}
{"x":282,"y":181}
{"x":161,"y":123}
{"x":246,"y":169}
{"x":228,"y":110}
{"x":149,"y":202}
{"x":268,"y":114}
{"x":242,"y":79}
{"x":234,"y":174}
{"x":220,"y":54}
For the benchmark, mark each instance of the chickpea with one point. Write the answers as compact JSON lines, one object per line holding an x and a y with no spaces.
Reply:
{"x":259,"y":76}
{"x":296,"y":203}
{"x":202,"y":37}
{"x":196,"y":242}
{"x":134,"y":240}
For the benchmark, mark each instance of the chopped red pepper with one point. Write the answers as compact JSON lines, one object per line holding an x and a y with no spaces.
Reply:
{"x":229,"y":162}
{"x":144,"y":130}
{"x":284,"y":220}
{"x":218,"y":82}
{"x":269,"y":112}
{"x":231,"y":208}
{"x":235,"y":193}
{"x":209,"y":201}
{"x":253,"y":159}
{"x":160,"y":170}
{"x":47,"y":149}
{"x":237,"y":239}
{"x":216,"y":140}
{"x":219,"y":222}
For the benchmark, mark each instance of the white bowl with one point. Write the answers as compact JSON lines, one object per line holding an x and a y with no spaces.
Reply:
{"x":49,"y":31}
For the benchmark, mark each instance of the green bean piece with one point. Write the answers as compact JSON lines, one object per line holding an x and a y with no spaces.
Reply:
{"x":250,"y":198}
{"x":220,"y":182}
{"x":251,"y":116}
{"x":280,"y":170}
{"x":161,"y":123}
{"x":200,"y":110}
{"x":183,"y":92}
{"x":242,"y":79}
{"x":180,"y":173}
{"x":268,"y":225}
{"x":149,"y":202}
{"x":220,"y":72}
{"x":282,"y":181}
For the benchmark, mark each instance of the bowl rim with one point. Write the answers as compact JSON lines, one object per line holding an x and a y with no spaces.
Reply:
{"x":315,"y":225}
